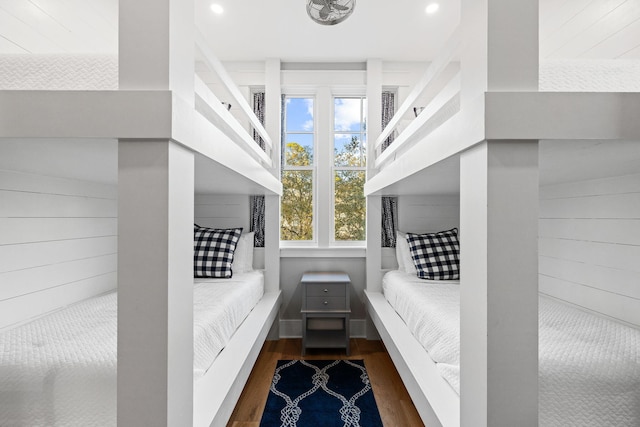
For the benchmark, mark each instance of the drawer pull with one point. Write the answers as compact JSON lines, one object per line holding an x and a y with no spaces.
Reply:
{"x":326,"y":303}
{"x":326,"y":290}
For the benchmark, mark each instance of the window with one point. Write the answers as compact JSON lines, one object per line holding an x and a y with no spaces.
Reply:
{"x":349,"y":169}
{"x":297,"y":207}
{"x":324,"y":170}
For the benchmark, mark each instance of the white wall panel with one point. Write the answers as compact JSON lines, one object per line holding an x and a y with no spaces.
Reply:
{"x":589,"y":245}
{"x":427,"y":214}
{"x":589,"y":29}
{"x":58,"y":243}
{"x":222,"y":211}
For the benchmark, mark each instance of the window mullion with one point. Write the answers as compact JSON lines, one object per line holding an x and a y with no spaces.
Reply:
{"x":324,"y":146}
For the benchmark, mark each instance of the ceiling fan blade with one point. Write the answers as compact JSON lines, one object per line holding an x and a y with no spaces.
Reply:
{"x":319,"y":2}
{"x":324,"y":12}
{"x":340,"y":7}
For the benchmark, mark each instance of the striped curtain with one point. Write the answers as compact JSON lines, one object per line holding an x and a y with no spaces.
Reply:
{"x":256,"y":203}
{"x":389,"y":221}
{"x":258,"y":109}
{"x":256,"y":220}
{"x":388,"y":110}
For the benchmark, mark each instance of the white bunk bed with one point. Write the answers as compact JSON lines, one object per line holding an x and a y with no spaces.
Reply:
{"x":560,"y":109}
{"x":60,"y":369}
{"x":86,"y":129}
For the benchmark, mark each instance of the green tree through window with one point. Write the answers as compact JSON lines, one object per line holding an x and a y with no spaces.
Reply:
{"x":349,"y":162}
{"x":350,"y":203}
{"x":297,"y":197}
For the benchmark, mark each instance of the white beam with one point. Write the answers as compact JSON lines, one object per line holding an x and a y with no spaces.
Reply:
{"x":499,"y":284}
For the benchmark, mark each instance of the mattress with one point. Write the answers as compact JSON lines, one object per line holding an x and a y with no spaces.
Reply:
{"x":589,"y":75}
{"x":589,"y":366}
{"x":61,"y":369}
{"x":58,"y":72}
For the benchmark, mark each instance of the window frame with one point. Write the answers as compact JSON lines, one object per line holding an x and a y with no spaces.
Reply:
{"x":334,"y":168}
{"x":313,"y":168}
{"x":323,"y":158}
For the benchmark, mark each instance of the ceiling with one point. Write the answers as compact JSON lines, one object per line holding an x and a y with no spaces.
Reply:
{"x":252,"y":30}
{"x":247,"y":30}
{"x":397,"y":30}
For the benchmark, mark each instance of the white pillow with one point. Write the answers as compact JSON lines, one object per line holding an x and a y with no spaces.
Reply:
{"x":399,"y":236}
{"x":405,"y":262}
{"x":243,"y":255}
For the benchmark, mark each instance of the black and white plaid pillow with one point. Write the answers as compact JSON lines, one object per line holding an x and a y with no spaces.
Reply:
{"x":213,"y":251}
{"x":437,"y":255}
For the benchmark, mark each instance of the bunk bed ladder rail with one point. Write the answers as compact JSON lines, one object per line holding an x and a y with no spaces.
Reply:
{"x":443,"y":71}
{"x":214,"y":110}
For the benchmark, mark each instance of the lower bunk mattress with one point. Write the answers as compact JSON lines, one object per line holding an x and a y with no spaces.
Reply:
{"x":589,"y":366}
{"x":61,"y":369}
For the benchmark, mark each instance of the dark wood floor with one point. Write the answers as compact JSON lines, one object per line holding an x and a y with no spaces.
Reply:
{"x":394,"y":403}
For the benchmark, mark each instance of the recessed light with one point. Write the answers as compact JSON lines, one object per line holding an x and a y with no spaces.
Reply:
{"x":217,"y":9}
{"x":432,"y":8}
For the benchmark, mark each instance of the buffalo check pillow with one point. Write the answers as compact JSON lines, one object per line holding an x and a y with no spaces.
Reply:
{"x":436,"y":255}
{"x":213,"y":251}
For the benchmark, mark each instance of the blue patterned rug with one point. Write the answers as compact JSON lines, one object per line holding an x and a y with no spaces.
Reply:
{"x":320,"y":393}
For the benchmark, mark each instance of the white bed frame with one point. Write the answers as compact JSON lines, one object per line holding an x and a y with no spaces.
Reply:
{"x":436,"y":401}
{"x":174,"y":139}
{"x":215,"y":394}
{"x":488,"y":148}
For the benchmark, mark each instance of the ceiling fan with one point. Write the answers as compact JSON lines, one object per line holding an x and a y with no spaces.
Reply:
{"x":330,"y":12}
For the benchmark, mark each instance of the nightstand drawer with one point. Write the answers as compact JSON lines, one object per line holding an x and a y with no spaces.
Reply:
{"x":326,"y":303}
{"x":326,"y":290}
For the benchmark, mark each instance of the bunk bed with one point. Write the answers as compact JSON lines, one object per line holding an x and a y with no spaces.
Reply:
{"x":60,"y":369}
{"x":563,"y":120}
{"x":100,"y":142}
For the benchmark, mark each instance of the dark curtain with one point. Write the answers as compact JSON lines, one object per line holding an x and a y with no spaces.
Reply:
{"x":256,"y":203}
{"x":388,"y":110}
{"x":258,"y":109}
{"x":389,"y":221}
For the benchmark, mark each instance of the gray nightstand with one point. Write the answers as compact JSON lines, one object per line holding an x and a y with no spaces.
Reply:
{"x":325,"y":310}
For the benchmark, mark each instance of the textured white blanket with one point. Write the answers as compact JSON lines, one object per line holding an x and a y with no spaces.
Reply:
{"x":60,"y":370}
{"x":589,"y":366}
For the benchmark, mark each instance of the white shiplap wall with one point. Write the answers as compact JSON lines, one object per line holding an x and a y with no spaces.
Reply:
{"x":589,"y":244}
{"x":590,"y":29}
{"x":58,"y":243}
{"x":222,"y":211}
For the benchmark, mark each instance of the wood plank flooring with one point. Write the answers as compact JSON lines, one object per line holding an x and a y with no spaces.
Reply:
{"x":394,"y":403}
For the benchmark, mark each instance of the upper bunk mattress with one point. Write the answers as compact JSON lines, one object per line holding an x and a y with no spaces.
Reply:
{"x":589,"y":75}
{"x":589,"y":366}
{"x":58,"y":72}
{"x":61,"y":369}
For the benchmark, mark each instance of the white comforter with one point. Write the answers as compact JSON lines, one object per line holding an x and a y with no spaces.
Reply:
{"x":589,"y":366}
{"x":60,"y":370}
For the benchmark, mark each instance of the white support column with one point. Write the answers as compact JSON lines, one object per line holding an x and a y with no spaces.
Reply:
{"x":499,"y":284}
{"x":500,"y":46}
{"x":272,"y":243}
{"x":155,"y":220}
{"x":156,"y":46}
{"x":272,"y":113}
{"x":155,"y":284}
{"x":374,"y":219}
{"x":272,"y":253}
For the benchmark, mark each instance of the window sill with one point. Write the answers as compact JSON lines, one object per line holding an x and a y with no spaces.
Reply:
{"x":315,"y":252}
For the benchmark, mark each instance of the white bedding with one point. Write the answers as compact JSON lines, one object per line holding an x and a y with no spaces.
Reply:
{"x":58,"y":72}
{"x":60,"y":370}
{"x":589,"y":366}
